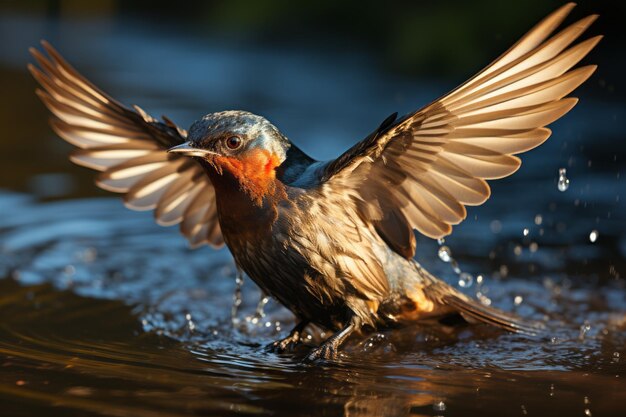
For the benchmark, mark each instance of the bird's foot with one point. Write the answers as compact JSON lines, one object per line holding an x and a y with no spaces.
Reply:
{"x":284,"y":345}
{"x":329,"y":350}
{"x":289,"y":342}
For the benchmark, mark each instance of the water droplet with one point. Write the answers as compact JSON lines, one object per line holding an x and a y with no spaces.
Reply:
{"x":441,"y":241}
{"x":504,"y":271}
{"x":517,"y":250}
{"x":593,"y":236}
{"x":587,"y":412}
{"x":479,"y":280}
{"x":526,"y":231}
{"x":439,"y":406}
{"x":190,"y":323}
{"x":465,"y":280}
{"x":260,"y":308}
{"x":495,"y":226}
{"x":584,"y":329}
{"x":88,"y":255}
{"x":485,"y":300}
{"x":69,"y":270}
{"x":533,"y":247}
{"x":538,"y":219}
{"x":445,"y":254}
{"x":518,"y":300}
{"x":563,"y":183}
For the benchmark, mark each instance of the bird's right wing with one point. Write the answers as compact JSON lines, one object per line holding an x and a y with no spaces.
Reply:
{"x":129,"y":147}
{"x":419,"y":172}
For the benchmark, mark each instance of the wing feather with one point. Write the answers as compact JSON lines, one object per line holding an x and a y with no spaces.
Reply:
{"x":129,"y":148}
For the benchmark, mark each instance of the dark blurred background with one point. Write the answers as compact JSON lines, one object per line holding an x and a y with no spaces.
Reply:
{"x":325,"y":72}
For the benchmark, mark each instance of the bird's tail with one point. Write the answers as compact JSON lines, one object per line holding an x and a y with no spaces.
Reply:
{"x":473,"y":311}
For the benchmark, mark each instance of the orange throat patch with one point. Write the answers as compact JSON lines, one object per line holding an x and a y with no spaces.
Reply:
{"x":255,"y":172}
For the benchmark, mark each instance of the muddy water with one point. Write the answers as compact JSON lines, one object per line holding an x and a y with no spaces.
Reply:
{"x":104,"y":313}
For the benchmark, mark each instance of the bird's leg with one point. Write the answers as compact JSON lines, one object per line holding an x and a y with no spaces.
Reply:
{"x":330,"y":348}
{"x":291,"y":340}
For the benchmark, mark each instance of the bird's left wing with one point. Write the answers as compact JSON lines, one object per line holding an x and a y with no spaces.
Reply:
{"x":421,"y":171}
{"x":129,"y":147}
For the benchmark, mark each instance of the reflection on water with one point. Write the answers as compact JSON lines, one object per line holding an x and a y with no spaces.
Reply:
{"x":103,"y":312}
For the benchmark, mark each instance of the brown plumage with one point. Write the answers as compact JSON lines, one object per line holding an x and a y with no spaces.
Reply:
{"x":332,"y":241}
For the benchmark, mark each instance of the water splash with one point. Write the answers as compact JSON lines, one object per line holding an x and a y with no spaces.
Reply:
{"x":260,"y":307}
{"x":237,"y":300}
{"x":465,"y":280}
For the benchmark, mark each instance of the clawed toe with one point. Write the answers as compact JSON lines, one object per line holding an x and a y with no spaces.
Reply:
{"x":323,"y":352}
{"x":281,"y":346}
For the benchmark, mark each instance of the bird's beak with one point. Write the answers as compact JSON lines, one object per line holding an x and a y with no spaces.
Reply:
{"x":187,"y":149}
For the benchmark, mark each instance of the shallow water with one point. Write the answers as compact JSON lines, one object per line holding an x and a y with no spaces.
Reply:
{"x":103,"y":312}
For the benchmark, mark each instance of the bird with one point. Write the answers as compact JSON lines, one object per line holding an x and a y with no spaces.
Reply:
{"x":332,"y":241}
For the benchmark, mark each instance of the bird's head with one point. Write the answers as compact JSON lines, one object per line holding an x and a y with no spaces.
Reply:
{"x":240,"y":144}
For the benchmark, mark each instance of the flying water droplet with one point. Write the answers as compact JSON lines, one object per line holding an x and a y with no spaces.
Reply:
{"x":584,"y":329}
{"x":495,"y":226}
{"x":455,"y":266}
{"x":518,"y":300}
{"x":593,"y":236}
{"x":485,"y":300}
{"x":190,"y":323}
{"x":465,"y":280}
{"x":445,"y":254}
{"x":526,"y":231}
{"x":479,"y":280}
{"x":563,"y":183}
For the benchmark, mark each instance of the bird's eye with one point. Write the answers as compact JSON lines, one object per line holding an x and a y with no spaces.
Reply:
{"x":233,"y":142}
